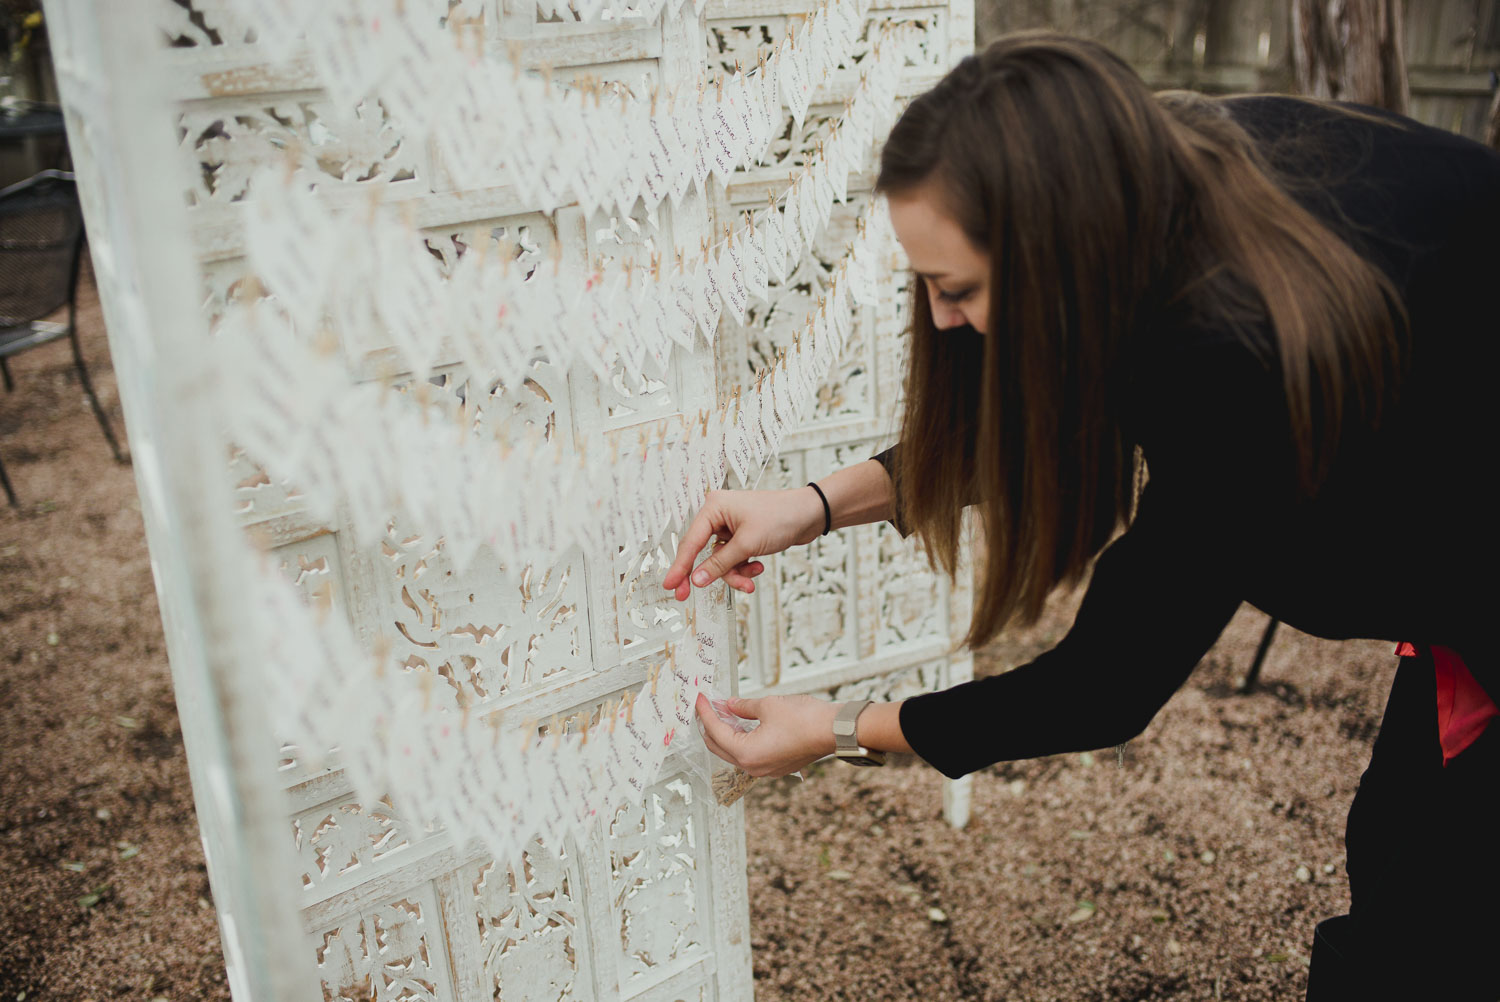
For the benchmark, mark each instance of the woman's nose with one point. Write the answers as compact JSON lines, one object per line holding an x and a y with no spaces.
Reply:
{"x":945,"y":317}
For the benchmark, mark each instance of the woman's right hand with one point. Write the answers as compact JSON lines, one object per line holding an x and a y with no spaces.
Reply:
{"x":748,"y":524}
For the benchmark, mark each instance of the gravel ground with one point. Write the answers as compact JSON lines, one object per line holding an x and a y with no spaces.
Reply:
{"x":1193,"y":869}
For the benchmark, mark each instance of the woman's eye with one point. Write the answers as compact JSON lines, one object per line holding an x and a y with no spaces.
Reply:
{"x":955,"y":297}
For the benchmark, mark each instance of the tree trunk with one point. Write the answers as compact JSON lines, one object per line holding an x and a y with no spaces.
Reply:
{"x":1350,"y":50}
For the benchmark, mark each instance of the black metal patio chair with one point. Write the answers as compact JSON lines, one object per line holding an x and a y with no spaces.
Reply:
{"x":41,"y":247}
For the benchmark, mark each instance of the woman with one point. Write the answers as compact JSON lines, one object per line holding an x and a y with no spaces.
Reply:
{"x":1279,"y":304}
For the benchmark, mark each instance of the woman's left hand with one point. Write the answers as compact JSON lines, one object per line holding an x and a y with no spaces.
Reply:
{"x":794,"y":732}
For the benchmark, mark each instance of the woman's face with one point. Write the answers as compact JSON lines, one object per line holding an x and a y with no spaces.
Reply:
{"x":955,"y":273}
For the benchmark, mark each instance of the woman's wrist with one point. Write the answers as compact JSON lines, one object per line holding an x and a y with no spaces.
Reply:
{"x":812,"y":519}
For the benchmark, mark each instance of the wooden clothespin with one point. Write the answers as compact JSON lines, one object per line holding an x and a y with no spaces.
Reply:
{"x":652,"y":676}
{"x":554,"y":729}
{"x":426,"y":683}
{"x":630,"y":706}
{"x":381,"y":650}
{"x":703,"y":416}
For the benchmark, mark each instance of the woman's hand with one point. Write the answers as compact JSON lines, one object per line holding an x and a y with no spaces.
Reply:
{"x":747,"y":524}
{"x":794,"y":732}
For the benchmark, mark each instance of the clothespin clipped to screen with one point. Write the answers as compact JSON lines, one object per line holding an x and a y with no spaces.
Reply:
{"x":655,"y":93}
{"x":629,"y":272}
{"x":426,"y":683}
{"x":583,"y":726}
{"x":380,"y":650}
{"x":643,"y":439}
{"x":554,"y":729}
{"x":630,"y":706}
{"x":656,"y":266}
{"x":555,"y":251}
{"x":703,"y":416}
{"x":513,"y":50}
{"x":528,"y":731}
{"x":493,"y":722}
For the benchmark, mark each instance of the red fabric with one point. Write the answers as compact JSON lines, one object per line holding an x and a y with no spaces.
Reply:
{"x":1464,"y":708}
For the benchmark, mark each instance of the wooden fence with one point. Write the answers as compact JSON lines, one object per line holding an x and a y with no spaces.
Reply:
{"x":1452,"y":47}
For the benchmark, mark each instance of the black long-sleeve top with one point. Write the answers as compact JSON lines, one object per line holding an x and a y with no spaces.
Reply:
{"x":1398,"y":544}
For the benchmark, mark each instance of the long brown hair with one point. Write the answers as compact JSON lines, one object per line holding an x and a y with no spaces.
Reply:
{"x":1100,"y":205}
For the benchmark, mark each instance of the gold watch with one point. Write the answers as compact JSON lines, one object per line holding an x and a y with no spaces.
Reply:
{"x":845,"y":745}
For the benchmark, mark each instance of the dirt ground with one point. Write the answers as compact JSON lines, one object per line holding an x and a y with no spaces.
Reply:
{"x":1195,"y":868}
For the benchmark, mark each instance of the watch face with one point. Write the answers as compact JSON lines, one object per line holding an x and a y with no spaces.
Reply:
{"x":863,"y":756}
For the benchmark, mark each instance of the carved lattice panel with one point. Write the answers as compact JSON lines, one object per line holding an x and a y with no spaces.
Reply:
{"x":393,"y":952}
{"x":848,"y":394}
{"x":529,"y":916}
{"x":484,"y":638}
{"x":225,"y":143}
{"x":658,"y":891}
{"x":907,"y":606}
{"x":202,"y":23}
{"x":648,"y":616}
{"x":342,"y":843}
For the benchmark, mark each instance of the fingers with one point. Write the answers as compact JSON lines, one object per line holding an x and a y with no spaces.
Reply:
{"x":719,"y":736}
{"x":723,"y":559}
{"x":714,"y":747}
{"x":694,"y":540}
{"x":739,"y":576}
{"x":747,"y":708}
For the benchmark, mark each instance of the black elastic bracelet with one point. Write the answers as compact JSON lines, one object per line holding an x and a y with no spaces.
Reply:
{"x":827,"y":512}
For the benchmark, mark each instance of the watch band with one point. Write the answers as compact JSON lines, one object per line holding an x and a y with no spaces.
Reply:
{"x":845,"y":742}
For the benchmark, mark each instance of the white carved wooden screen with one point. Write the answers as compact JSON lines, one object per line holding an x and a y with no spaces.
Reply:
{"x":407,"y":280}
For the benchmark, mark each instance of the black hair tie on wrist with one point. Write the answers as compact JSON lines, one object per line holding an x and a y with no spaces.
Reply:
{"x":827,"y":512}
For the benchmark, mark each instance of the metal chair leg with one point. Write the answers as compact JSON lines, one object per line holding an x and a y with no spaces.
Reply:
{"x":10,"y":492}
{"x":1253,"y":675}
{"x":88,"y":387}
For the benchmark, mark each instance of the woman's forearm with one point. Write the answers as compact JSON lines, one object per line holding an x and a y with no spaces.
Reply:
{"x":879,"y":727}
{"x":859,"y":494}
